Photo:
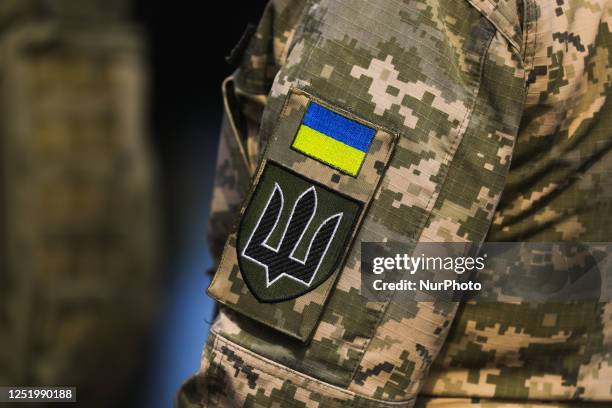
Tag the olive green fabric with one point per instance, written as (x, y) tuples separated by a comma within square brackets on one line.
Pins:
[(502, 115), (328, 204)]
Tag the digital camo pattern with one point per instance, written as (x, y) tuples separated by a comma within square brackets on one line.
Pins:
[(451, 82), (410, 339), (482, 403), (78, 233), (449, 78), (558, 189)]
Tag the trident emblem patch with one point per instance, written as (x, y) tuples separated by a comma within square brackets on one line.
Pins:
[(281, 261), (292, 234)]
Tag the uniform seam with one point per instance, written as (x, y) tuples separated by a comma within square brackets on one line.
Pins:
[(446, 162), (531, 39), (297, 373), (526, 29), (532, 7), (459, 138), (503, 32), (232, 122), (422, 225), (455, 146)]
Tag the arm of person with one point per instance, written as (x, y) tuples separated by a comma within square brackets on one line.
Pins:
[(382, 121)]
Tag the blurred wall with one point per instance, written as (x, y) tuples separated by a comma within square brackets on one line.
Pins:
[(78, 205), (108, 135)]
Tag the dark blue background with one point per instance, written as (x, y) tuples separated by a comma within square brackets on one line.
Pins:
[(187, 43)]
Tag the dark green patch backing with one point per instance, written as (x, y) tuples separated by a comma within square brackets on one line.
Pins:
[(329, 203)]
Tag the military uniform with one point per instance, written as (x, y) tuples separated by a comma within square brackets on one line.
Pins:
[(453, 92)]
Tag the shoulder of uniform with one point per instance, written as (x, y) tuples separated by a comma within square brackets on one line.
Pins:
[(505, 16)]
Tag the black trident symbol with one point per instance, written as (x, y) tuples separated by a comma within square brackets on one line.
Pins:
[(280, 261)]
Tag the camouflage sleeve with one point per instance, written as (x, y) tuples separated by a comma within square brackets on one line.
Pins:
[(431, 94), (558, 189)]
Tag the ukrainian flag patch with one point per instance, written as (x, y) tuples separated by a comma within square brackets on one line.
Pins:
[(333, 139)]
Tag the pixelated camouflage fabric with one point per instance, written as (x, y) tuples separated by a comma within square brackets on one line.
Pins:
[(558, 189), (449, 78)]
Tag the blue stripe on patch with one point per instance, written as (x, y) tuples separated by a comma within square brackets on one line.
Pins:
[(338, 127)]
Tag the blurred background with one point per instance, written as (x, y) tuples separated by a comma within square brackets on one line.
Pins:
[(110, 114)]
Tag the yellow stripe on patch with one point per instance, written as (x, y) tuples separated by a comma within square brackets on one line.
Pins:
[(328, 150)]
